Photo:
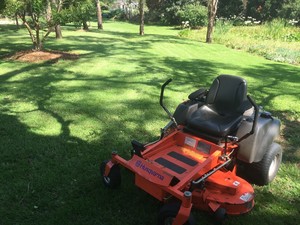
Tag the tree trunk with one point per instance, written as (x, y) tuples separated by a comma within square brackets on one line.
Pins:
[(58, 5), (210, 28), (99, 15), (58, 34), (48, 12), (38, 43), (212, 11), (17, 21), (33, 39), (85, 25), (36, 38), (142, 16), (245, 5)]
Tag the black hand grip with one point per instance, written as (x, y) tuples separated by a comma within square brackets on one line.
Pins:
[(256, 111), (162, 91), (161, 101), (167, 82)]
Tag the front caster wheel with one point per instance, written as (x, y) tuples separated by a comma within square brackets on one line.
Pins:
[(168, 213), (220, 216), (113, 179)]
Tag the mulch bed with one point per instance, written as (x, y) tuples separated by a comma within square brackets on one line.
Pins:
[(41, 56)]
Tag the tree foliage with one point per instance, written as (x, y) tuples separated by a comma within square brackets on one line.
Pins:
[(195, 14), (267, 10), (229, 8), (2, 6), (167, 11), (291, 10), (78, 12)]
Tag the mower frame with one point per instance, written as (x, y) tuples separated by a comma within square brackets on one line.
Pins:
[(192, 170)]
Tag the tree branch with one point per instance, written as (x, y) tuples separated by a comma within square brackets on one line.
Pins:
[(60, 5), (29, 30), (47, 34)]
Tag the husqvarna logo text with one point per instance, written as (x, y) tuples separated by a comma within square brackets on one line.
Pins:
[(139, 164)]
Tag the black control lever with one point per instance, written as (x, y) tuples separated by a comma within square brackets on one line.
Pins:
[(161, 101)]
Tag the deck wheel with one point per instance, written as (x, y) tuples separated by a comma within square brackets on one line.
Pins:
[(113, 180), (168, 213), (220, 215)]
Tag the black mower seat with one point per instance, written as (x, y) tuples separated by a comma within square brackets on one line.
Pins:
[(223, 110)]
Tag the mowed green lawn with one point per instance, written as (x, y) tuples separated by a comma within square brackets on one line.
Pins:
[(59, 120)]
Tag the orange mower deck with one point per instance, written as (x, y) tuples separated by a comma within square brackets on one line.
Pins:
[(168, 167)]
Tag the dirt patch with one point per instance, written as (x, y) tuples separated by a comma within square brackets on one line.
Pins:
[(42, 56)]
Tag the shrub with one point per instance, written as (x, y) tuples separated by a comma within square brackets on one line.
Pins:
[(118, 14), (125, 15), (284, 55), (275, 40), (291, 10), (184, 33), (275, 29), (222, 26), (170, 16), (226, 8), (194, 13)]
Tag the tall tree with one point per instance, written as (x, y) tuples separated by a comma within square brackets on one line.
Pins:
[(99, 15), (245, 3), (57, 4), (80, 12), (54, 7), (212, 11), (142, 16)]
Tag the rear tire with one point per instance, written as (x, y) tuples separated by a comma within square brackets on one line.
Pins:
[(168, 213), (263, 172), (113, 180)]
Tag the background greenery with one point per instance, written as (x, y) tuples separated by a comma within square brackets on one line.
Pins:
[(168, 11), (59, 120), (274, 40)]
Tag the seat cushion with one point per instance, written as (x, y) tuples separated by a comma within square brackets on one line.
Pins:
[(227, 94), (206, 120)]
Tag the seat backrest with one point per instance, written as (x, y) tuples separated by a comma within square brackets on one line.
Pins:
[(227, 94)]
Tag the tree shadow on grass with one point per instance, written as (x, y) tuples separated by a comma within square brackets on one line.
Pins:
[(38, 172), (58, 178), (8, 28), (55, 178), (290, 138), (7, 49), (10, 40)]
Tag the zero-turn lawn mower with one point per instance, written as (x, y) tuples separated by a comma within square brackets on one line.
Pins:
[(216, 145)]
